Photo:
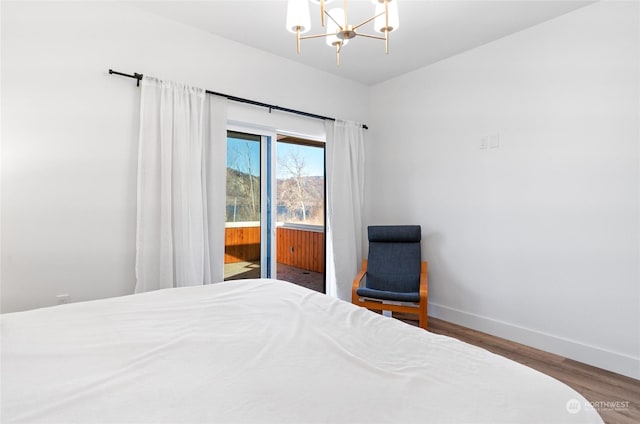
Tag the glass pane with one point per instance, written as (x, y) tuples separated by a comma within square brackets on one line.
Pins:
[(300, 214), (242, 229), (300, 176)]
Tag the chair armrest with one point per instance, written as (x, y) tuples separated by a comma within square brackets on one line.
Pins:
[(358, 280)]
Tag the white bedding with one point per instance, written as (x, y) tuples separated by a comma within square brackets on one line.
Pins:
[(260, 351)]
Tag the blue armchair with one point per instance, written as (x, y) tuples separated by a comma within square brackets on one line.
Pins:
[(396, 278)]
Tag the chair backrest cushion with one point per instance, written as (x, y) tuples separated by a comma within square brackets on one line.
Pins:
[(394, 258)]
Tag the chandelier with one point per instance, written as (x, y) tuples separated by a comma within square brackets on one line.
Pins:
[(339, 30)]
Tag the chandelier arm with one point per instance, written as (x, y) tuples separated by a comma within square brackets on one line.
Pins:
[(386, 41), (331, 17), (371, 36), (306, 37), (368, 20)]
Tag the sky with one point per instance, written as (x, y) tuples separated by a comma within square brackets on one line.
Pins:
[(242, 152), (313, 158)]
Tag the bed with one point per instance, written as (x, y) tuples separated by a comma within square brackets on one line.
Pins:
[(263, 351)]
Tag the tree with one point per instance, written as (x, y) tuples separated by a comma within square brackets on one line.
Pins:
[(302, 196), (243, 187), (294, 195)]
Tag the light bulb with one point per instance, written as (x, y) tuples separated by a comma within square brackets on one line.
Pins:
[(381, 21), (298, 16)]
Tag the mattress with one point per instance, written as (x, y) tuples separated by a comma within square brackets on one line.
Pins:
[(261, 351)]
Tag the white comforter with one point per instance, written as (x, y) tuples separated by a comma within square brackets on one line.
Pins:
[(260, 351)]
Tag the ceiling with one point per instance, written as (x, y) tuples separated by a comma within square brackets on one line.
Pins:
[(430, 30)]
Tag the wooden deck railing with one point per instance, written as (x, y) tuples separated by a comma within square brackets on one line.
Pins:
[(298, 247), (241, 244)]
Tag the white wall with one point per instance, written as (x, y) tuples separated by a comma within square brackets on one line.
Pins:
[(69, 134), (537, 240)]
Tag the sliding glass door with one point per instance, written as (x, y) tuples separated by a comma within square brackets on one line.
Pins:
[(242, 253), (300, 195), (275, 209)]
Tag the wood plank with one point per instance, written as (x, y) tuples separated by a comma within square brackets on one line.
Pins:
[(242, 244), (308, 248)]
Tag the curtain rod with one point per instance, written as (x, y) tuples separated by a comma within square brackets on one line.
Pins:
[(138, 77)]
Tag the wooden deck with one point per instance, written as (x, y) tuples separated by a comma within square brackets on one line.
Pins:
[(299, 254), (302, 277), (241, 270), (295, 247)]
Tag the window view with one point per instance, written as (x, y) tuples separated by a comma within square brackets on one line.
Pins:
[(300, 212), (242, 229), (300, 176)]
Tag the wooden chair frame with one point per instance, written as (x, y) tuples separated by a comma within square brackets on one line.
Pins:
[(419, 309)]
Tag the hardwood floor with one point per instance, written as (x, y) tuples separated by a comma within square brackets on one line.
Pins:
[(600, 387)]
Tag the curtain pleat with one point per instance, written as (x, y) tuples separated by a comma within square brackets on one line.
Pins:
[(180, 199), (345, 196)]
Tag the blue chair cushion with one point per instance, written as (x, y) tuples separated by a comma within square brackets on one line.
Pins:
[(394, 233), (387, 295), (394, 259)]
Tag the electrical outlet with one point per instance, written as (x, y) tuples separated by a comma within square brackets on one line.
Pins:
[(62, 298)]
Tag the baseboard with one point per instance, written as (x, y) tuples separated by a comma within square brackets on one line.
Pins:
[(592, 355)]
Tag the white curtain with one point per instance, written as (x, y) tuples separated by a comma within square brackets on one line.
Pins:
[(345, 191), (181, 186)]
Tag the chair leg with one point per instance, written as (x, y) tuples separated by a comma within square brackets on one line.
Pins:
[(422, 321)]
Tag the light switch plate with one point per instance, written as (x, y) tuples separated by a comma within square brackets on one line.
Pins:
[(494, 141)]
